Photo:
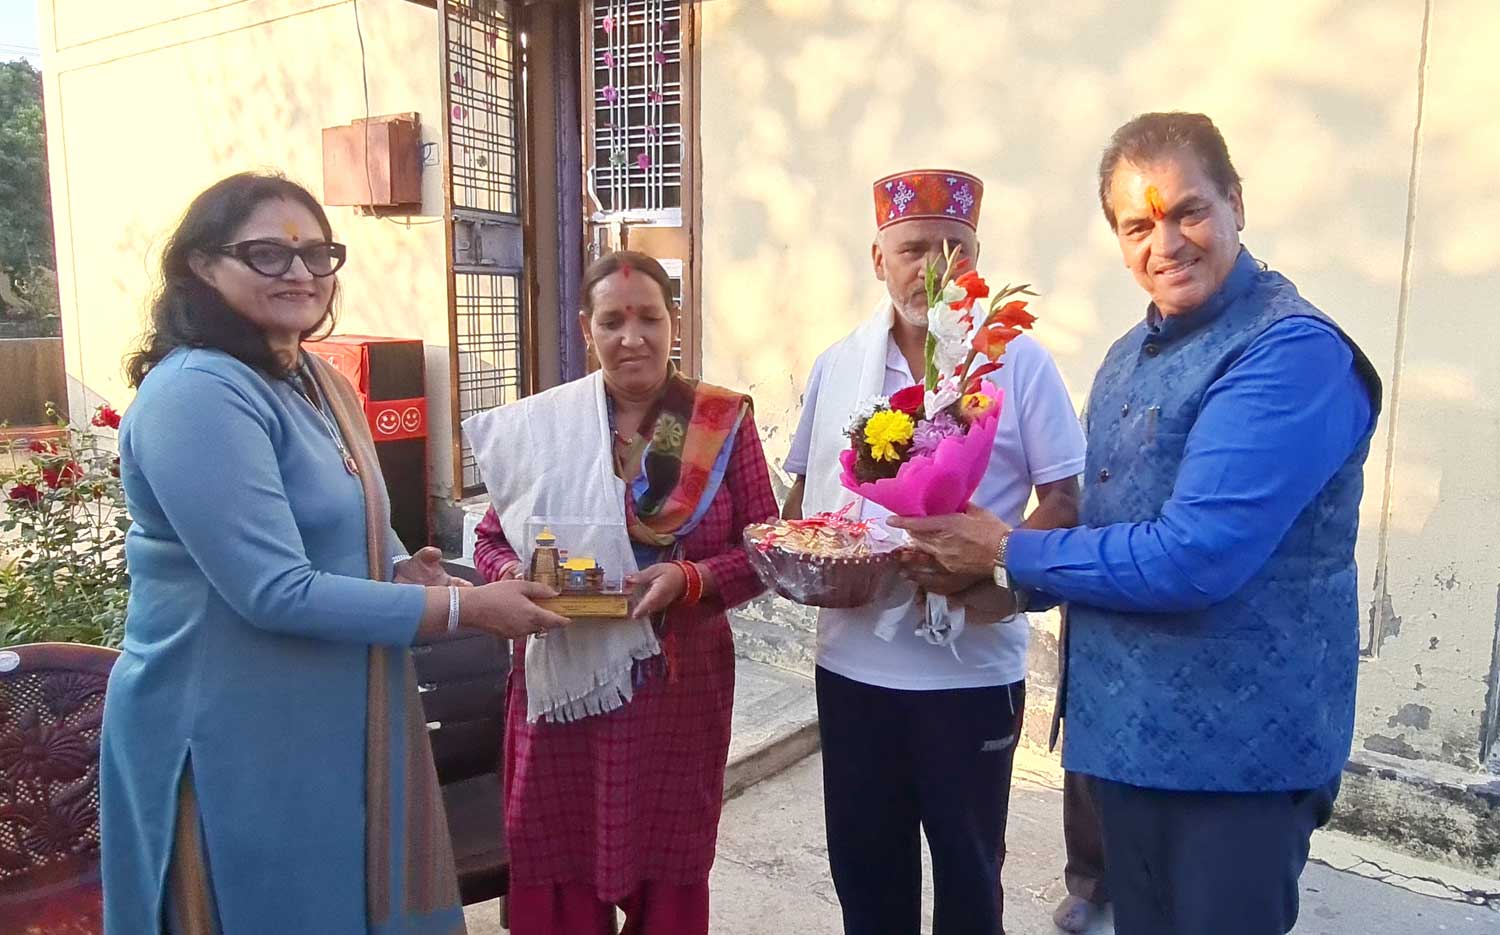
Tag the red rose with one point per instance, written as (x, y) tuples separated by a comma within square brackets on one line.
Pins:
[(40, 447), (909, 400), (105, 417), (25, 493), (62, 475)]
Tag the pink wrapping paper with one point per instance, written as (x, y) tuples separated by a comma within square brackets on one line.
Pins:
[(938, 483)]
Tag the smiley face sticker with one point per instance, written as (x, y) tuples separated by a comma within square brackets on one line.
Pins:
[(411, 419)]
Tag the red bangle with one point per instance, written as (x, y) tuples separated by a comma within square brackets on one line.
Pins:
[(693, 590)]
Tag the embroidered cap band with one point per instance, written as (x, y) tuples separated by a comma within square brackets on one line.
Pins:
[(928, 193)]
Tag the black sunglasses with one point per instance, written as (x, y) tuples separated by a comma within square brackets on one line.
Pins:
[(273, 258)]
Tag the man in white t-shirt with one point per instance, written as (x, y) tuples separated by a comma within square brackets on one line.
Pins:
[(917, 735)]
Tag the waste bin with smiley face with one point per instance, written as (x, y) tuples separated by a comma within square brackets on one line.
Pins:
[(388, 374)]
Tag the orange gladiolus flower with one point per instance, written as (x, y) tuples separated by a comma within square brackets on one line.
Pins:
[(974, 285), (992, 339), (1012, 315)]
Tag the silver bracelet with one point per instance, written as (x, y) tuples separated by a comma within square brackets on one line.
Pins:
[(452, 608)]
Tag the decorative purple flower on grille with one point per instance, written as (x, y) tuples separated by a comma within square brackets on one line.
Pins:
[(611, 93), (609, 22), (654, 97), (609, 59), (458, 79), (661, 57), (458, 112), (644, 161), (930, 433), (653, 133)]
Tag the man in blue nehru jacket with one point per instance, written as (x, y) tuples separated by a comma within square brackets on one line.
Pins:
[(1213, 638)]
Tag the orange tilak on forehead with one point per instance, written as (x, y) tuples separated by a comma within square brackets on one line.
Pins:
[(290, 230), (1155, 203)]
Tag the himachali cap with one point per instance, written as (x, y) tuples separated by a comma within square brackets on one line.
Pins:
[(928, 193)]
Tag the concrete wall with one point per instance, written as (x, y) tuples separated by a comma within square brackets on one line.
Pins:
[(808, 101), (149, 103)]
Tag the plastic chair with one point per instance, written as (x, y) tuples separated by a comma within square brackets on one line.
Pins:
[(51, 710)]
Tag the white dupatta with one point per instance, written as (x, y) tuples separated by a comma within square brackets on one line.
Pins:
[(549, 455)]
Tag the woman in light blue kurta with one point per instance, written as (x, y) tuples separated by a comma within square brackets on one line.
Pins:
[(264, 767)]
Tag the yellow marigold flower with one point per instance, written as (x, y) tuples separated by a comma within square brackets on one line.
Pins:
[(884, 431), (972, 406)]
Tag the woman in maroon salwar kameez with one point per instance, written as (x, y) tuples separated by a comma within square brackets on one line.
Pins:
[(621, 808)]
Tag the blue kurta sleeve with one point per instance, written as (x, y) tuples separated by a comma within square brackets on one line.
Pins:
[(1269, 434), (204, 447)]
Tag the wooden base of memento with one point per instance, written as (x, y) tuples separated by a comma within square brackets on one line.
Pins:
[(600, 606)]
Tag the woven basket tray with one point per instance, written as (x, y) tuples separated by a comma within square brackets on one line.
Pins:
[(820, 581)]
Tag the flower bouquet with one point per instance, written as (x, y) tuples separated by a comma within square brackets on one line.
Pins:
[(923, 450), (827, 560), (920, 452)]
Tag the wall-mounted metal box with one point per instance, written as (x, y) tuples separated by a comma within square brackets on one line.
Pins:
[(374, 163)]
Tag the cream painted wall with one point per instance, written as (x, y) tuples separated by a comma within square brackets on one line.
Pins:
[(148, 104), (1424, 695), (805, 102)]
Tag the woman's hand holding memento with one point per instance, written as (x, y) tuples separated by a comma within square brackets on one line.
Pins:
[(656, 588), (426, 568), (504, 608), (508, 609)]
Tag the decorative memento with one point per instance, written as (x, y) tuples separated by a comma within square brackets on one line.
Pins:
[(579, 581)]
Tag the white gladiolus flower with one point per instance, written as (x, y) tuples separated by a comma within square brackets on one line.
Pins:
[(951, 334), (946, 395), (953, 292), (947, 325)]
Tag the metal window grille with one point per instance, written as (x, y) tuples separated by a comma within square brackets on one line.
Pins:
[(490, 350), (484, 138), (637, 106), (482, 124)]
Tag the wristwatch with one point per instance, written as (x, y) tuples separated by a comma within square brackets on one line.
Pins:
[(1002, 577)]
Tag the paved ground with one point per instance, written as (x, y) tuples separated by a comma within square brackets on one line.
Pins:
[(772, 872), (771, 876)]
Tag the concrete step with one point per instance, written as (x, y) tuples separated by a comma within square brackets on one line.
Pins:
[(775, 724), (775, 631)]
